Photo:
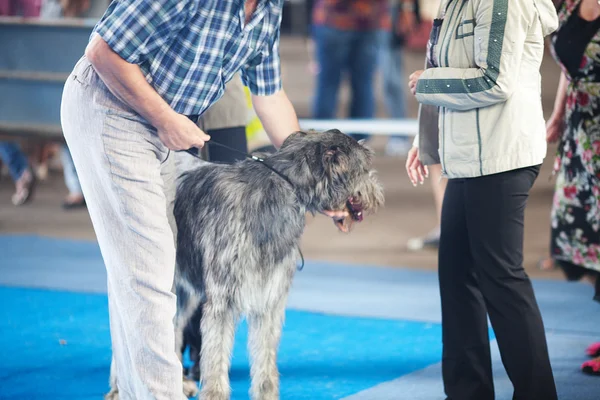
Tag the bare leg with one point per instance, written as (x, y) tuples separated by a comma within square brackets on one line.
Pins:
[(186, 306), (217, 329), (438, 187)]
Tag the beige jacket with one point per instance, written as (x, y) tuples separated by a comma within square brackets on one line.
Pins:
[(486, 81)]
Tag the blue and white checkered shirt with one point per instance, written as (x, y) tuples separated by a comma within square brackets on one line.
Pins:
[(189, 49)]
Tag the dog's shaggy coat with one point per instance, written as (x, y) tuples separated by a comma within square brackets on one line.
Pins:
[(239, 228)]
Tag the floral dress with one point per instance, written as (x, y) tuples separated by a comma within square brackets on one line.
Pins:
[(575, 239)]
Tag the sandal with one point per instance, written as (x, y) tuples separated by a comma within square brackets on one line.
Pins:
[(25, 187), (591, 367), (593, 350)]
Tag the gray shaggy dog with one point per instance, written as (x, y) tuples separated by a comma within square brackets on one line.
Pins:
[(239, 228)]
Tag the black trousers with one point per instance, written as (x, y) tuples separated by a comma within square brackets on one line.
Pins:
[(481, 273)]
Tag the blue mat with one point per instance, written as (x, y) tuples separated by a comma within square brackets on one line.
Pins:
[(348, 332), (57, 346)]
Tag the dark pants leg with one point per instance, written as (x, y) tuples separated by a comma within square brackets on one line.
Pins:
[(466, 360), (363, 64), (338, 52), (14, 158), (332, 48), (494, 209)]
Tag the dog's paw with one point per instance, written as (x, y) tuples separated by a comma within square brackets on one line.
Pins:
[(214, 395), (112, 395), (190, 389)]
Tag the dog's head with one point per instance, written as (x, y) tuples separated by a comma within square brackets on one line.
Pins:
[(333, 172)]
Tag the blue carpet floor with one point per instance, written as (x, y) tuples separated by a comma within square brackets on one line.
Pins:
[(353, 333), (60, 341)]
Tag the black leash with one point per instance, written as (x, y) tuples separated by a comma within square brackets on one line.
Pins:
[(195, 153)]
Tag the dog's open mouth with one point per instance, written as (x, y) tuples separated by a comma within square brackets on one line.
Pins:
[(354, 208)]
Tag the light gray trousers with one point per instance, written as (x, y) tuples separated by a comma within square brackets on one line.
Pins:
[(128, 180)]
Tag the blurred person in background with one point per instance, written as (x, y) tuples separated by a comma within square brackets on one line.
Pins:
[(575, 125), (428, 126), (23, 8), (347, 36), (429, 153), (404, 18), (19, 167), (20, 172)]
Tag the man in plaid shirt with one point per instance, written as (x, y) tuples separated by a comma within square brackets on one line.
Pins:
[(150, 68)]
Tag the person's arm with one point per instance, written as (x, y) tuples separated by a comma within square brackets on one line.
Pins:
[(560, 101), (270, 102), (115, 55), (555, 125), (499, 37), (277, 116)]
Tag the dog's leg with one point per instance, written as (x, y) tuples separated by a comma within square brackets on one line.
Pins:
[(186, 306), (187, 303), (264, 333), (217, 330)]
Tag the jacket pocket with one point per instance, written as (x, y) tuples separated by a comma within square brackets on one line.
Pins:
[(82, 72), (462, 134), (465, 29)]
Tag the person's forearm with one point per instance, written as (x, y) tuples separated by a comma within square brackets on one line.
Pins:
[(277, 115), (127, 82), (560, 101)]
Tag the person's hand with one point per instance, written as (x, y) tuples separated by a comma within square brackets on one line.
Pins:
[(417, 172), (336, 214), (412, 81), (178, 132), (554, 128)]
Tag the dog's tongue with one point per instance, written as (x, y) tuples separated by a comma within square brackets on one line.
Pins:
[(355, 209)]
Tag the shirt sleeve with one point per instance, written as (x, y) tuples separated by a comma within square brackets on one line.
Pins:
[(264, 77), (135, 28), (499, 34)]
